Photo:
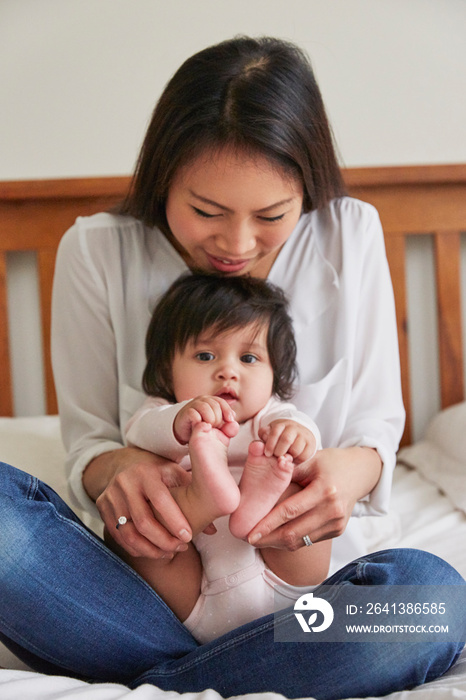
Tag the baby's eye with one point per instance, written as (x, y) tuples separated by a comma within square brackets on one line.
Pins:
[(205, 356), (248, 359)]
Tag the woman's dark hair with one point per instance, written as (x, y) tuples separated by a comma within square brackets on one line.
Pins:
[(198, 303), (253, 95)]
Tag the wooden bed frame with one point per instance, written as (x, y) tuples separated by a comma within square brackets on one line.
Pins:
[(418, 200)]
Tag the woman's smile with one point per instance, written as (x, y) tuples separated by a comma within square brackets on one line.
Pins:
[(228, 266)]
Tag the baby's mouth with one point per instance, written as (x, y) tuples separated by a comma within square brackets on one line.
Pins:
[(228, 395)]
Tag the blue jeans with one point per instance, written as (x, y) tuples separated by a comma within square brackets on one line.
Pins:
[(69, 606)]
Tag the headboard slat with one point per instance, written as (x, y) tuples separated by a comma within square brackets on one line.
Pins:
[(396, 254), (447, 256), (46, 267), (6, 393)]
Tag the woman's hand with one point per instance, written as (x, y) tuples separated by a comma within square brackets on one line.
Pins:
[(333, 480), (133, 483)]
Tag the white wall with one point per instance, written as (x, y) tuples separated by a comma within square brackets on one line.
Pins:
[(80, 78)]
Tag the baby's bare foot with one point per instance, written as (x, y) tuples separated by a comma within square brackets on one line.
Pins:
[(263, 481), (213, 490)]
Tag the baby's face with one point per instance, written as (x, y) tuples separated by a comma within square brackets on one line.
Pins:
[(234, 365)]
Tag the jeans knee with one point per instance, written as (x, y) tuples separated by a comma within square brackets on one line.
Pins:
[(14, 483), (409, 567), (431, 570), (16, 530)]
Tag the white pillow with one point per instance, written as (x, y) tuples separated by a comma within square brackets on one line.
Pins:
[(35, 446), (441, 456)]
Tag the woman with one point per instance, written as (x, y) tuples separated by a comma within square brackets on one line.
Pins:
[(237, 175)]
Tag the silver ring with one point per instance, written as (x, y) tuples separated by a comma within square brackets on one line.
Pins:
[(307, 540), (122, 520)]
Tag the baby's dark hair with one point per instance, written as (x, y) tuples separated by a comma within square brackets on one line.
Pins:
[(197, 303)]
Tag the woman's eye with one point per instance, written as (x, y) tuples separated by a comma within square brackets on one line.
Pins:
[(248, 359), (271, 219), (204, 214), (204, 356)]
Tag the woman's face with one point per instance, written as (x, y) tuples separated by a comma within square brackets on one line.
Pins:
[(231, 214)]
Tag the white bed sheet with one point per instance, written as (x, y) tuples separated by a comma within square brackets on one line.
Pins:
[(420, 516)]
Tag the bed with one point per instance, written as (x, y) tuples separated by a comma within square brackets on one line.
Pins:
[(423, 211)]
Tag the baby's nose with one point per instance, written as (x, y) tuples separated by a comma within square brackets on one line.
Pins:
[(227, 371)]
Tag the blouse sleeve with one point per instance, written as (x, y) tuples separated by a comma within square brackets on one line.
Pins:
[(84, 361), (375, 416)]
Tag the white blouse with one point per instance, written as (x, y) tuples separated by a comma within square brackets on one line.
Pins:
[(110, 272)]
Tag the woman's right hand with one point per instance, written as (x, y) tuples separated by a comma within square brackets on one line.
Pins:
[(133, 483)]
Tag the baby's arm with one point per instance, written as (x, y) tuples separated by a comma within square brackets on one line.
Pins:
[(165, 429), (151, 429)]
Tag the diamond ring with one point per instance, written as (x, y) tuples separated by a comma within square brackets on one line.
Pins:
[(122, 520)]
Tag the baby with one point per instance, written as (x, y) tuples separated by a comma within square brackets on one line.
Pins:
[(221, 360)]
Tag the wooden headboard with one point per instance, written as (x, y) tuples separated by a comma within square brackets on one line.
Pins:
[(412, 201)]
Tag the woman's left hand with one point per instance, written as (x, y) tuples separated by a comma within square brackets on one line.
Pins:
[(333, 480)]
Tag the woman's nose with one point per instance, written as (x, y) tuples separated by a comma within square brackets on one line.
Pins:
[(237, 240)]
